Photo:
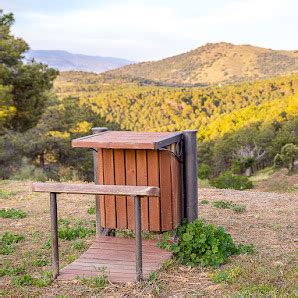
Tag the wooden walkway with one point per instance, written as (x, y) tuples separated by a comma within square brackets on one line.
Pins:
[(118, 256)]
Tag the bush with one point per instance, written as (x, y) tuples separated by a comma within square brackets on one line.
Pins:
[(204, 171), (203, 244), (228, 180)]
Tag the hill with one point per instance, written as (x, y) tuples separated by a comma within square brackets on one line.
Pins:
[(65, 61), (214, 63)]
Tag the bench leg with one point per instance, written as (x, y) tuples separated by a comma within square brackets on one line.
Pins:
[(138, 232), (54, 227)]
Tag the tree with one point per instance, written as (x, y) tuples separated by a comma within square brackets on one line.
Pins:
[(287, 156), (23, 87)]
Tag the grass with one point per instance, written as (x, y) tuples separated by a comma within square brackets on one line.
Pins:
[(9, 270), (262, 175), (222, 204), (8, 242), (12, 213), (99, 282), (203, 183), (5, 194), (91, 210), (204, 202), (68, 231), (271, 270), (27, 280)]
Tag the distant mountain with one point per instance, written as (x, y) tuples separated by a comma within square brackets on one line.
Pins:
[(213, 63), (65, 61)]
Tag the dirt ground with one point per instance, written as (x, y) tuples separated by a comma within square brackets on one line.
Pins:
[(269, 223)]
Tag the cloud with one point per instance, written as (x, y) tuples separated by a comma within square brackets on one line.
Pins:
[(141, 30)]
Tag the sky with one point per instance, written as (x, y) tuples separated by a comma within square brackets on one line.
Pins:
[(142, 30)]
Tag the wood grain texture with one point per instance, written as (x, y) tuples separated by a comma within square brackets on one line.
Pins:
[(121, 209), (141, 165), (110, 201), (119, 261), (153, 180), (128, 140), (92, 189), (165, 190), (131, 179), (100, 181)]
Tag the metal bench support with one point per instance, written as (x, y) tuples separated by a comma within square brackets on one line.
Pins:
[(54, 228)]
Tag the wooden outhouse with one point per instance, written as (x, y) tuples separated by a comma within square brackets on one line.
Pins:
[(139, 158)]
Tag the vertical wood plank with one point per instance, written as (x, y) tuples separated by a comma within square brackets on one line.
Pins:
[(101, 181), (110, 203), (141, 165), (153, 180), (131, 179), (176, 190), (165, 190), (121, 213)]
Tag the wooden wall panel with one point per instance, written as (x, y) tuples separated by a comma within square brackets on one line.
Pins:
[(141, 165), (131, 179), (153, 180), (121, 212), (176, 190), (110, 204), (165, 190), (101, 181)]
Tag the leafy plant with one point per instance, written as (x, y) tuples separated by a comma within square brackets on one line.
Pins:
[(228, 180), (204, 171), (12, 213), (91, 210), (204, 202), (8, 241), (202, 244), (41, 261), (238, 208), (28, 280)]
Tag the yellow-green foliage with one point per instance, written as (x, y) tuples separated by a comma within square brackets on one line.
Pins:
[(214, 111)]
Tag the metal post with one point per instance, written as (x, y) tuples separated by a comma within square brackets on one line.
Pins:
[(54, 227), (138, 232), (99, 228), (190, 174)]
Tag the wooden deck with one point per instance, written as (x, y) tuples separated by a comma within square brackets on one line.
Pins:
[(118, 256)]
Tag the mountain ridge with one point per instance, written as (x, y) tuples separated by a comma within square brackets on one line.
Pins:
[(213, 63), (66, 61)]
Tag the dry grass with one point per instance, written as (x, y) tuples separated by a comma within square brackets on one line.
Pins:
[(268, 223)]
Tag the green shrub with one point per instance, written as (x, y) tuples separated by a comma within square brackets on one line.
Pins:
[(228, 180), (8, 241), (12, 213), (202, 244), (228, 275), (204, 171)]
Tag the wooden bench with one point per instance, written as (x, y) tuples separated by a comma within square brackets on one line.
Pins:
[(137, 192)]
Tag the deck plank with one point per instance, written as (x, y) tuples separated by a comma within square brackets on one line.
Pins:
[(117, 255)]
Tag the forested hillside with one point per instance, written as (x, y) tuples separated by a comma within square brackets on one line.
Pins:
[(214, 63)]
